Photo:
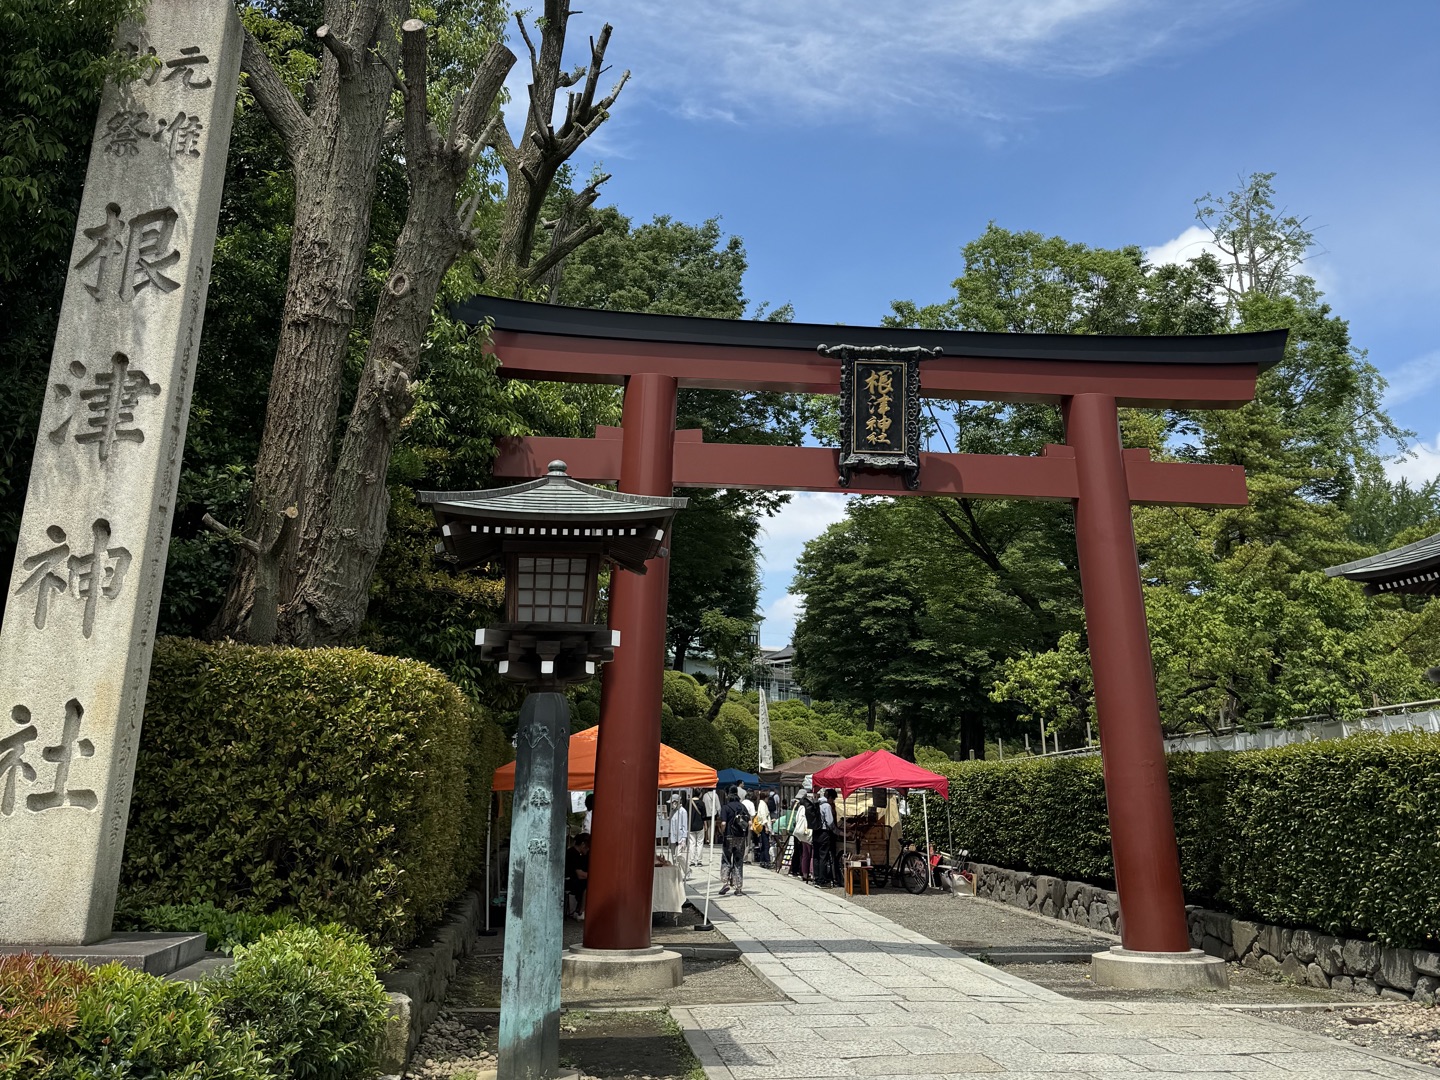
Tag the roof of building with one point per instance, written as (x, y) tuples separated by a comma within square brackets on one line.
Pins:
[(1264, 349), (553, 512), (1414, 568)]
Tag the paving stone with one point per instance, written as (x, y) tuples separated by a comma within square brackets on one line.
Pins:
[(910, 1065)]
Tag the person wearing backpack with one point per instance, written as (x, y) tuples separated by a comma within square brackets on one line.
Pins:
[(697, 830), (735, 828)]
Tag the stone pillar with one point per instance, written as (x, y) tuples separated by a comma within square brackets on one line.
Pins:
[(84, 593), (530, 972), (627, 760), (1137, 786)]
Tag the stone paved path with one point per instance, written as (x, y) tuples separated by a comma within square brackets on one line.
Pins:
[(869, 998)]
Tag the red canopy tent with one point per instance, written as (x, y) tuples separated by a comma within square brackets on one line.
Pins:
[(880, 769)]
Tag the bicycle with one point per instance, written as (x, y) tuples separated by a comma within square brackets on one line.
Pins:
[(909, 870)]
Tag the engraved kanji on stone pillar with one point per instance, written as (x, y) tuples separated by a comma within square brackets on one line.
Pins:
[(84, 592)]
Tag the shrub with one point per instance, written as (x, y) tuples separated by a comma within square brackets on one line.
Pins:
[(311, 998), (61, 1021), (223, 930), (1341, 835), (344, 785), (683, 694), (37, 1009)]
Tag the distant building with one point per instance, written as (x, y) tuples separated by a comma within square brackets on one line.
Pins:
[(775, 674)]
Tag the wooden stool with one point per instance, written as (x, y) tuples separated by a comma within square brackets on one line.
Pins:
[(857, 874)]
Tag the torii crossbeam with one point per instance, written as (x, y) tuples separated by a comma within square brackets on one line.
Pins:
[(1088, 377)]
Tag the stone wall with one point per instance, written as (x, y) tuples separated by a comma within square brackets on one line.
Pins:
[(420, 981), (1353, 965)]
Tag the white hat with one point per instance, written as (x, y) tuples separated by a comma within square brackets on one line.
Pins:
[(674, 798)]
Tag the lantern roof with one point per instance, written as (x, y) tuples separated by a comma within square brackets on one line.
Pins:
[(552, 514), (1413, 568)]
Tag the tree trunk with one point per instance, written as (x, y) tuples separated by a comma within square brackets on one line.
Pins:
[(682, 650), (870, 718), (336, 154), (333, 593), (904, 737), (322, 575)]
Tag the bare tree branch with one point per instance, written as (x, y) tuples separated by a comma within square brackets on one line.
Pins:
[(345, 55), (561, 247), (414, 55), (480, 98), (235, 536), (275, 98)]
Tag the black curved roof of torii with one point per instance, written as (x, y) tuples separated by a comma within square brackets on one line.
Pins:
[(1263, 349)]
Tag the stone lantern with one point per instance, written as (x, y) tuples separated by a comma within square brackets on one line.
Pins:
[(552, 536)]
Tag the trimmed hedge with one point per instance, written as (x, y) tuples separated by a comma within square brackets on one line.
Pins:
[(347, 786), (1341, 835)]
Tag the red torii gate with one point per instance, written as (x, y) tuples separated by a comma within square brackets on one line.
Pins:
[(1088, 377)]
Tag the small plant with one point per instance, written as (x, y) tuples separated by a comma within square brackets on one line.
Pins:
[(64, 1021), (310, 996), (37, 1008), (223, 930)]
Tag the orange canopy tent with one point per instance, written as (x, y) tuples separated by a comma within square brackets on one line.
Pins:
[(676, 770)]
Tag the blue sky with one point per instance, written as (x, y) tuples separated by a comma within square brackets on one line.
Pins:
[(855, 145)]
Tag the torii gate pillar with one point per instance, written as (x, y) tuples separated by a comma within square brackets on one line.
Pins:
[(1137, 786), (629, 747)]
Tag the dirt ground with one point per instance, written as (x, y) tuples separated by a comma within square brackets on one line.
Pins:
[(460, 1045)]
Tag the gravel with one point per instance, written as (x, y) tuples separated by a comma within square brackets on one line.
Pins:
[(1407, 1031), (604, 1046), (971, 923)]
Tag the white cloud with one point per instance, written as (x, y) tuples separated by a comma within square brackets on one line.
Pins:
[(1190, 244), (1422, 467), (1196, 240), (843, 58), (1412, 378), (780, 615), (804, 517)]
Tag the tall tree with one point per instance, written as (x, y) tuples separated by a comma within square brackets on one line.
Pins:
[(316, 522)]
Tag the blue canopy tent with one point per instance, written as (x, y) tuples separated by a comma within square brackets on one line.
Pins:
[(726, 777)]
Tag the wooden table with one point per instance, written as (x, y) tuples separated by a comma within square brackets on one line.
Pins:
[(857, 874)]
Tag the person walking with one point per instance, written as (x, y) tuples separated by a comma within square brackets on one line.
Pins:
[(825, 875), (735, 827), (761, 832), (697, 829), (711, 801), (749, 804), (679, 835)]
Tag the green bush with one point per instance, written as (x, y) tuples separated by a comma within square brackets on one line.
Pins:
[(61, 1021), (310, 996), (685, 696), (1341, 835), (223, 930), (348, 786)]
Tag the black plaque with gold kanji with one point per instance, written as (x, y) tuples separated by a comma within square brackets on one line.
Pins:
[(879, 408)]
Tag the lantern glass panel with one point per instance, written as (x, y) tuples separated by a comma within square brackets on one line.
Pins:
[(550, 589)]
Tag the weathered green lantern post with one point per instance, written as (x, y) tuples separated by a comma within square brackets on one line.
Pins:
[(552, 535)]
